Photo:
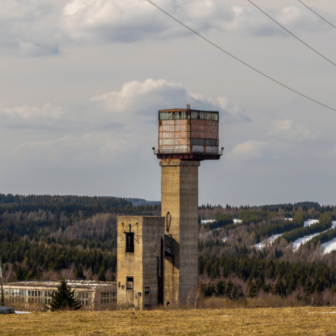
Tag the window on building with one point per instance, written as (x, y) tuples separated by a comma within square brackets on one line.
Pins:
[(129, 283), (105, 297), (180, 115), (197, 142), (166, 115), (194, 115), (147, 290), (15, 292), (211, 142), (204, 115), (129, 241)]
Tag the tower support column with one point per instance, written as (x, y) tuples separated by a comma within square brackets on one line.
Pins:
[(179, 205)]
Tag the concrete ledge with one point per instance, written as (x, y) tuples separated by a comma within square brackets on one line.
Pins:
[(177, 162), (6, 310)]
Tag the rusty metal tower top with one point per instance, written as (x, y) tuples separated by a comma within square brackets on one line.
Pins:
[(188, 134)]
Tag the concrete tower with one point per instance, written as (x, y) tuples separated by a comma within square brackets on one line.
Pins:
[(186, 137)]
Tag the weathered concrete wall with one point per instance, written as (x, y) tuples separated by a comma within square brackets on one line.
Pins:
[(153, 242), (179, 197), (140, 264)]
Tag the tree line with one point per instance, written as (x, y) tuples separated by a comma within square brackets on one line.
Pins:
[(30, 259), (278, 228), (275, 276), (323, 225)]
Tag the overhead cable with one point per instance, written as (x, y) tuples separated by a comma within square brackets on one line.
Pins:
[(239, 60), (327, 59), (317, 14)]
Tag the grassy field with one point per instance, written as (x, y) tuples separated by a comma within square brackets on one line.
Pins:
[(260, 321)]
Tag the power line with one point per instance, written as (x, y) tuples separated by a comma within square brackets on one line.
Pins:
[(317, 14), (239, 60), (327, 59)]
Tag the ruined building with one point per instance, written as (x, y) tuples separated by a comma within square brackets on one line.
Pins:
[(157, 256)]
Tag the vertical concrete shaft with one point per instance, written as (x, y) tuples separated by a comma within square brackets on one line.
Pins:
[(179, 204)]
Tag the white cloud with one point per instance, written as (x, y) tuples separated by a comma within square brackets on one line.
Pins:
[(283, 139), (136, 102), (29, 28), (90, 148), (249, 150), (131, 20), (290, 130), (26, 116), (143, 98), (38, 28), (33, 111)]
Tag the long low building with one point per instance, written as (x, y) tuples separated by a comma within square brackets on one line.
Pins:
[(96, 295)]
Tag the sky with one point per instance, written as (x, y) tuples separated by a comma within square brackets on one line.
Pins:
[(81, 82)]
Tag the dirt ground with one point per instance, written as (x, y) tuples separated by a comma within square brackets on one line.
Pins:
[(265, 321)]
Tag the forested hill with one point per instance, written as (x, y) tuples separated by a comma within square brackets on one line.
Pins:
[(69, 204), (46, 237), (41, 236)]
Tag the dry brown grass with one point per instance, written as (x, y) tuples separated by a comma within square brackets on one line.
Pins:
[(270, 321)]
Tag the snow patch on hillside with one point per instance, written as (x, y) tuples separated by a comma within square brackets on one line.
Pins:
[(303, 240), (329, 246), (310, 222), (297, 243), (268, 241)]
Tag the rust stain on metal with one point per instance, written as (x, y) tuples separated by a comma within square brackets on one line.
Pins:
[(211, 129), (168, 142), (168, 122), (197, 122), (168, 135), (197, 135), (211, 123), (181, 142), (181, 135), (182, 122), (197, 128), (184, 128), (175, 110), (168, 128), (211, 136)]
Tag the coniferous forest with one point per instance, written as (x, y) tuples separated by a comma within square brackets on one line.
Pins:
[(49, 237)]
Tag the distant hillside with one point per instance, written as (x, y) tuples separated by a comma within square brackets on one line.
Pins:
[(141, 201)]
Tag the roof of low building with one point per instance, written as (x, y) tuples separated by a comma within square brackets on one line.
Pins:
[(72, 283)]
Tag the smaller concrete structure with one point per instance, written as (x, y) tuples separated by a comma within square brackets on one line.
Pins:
[(140, 268), (97, 295)]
